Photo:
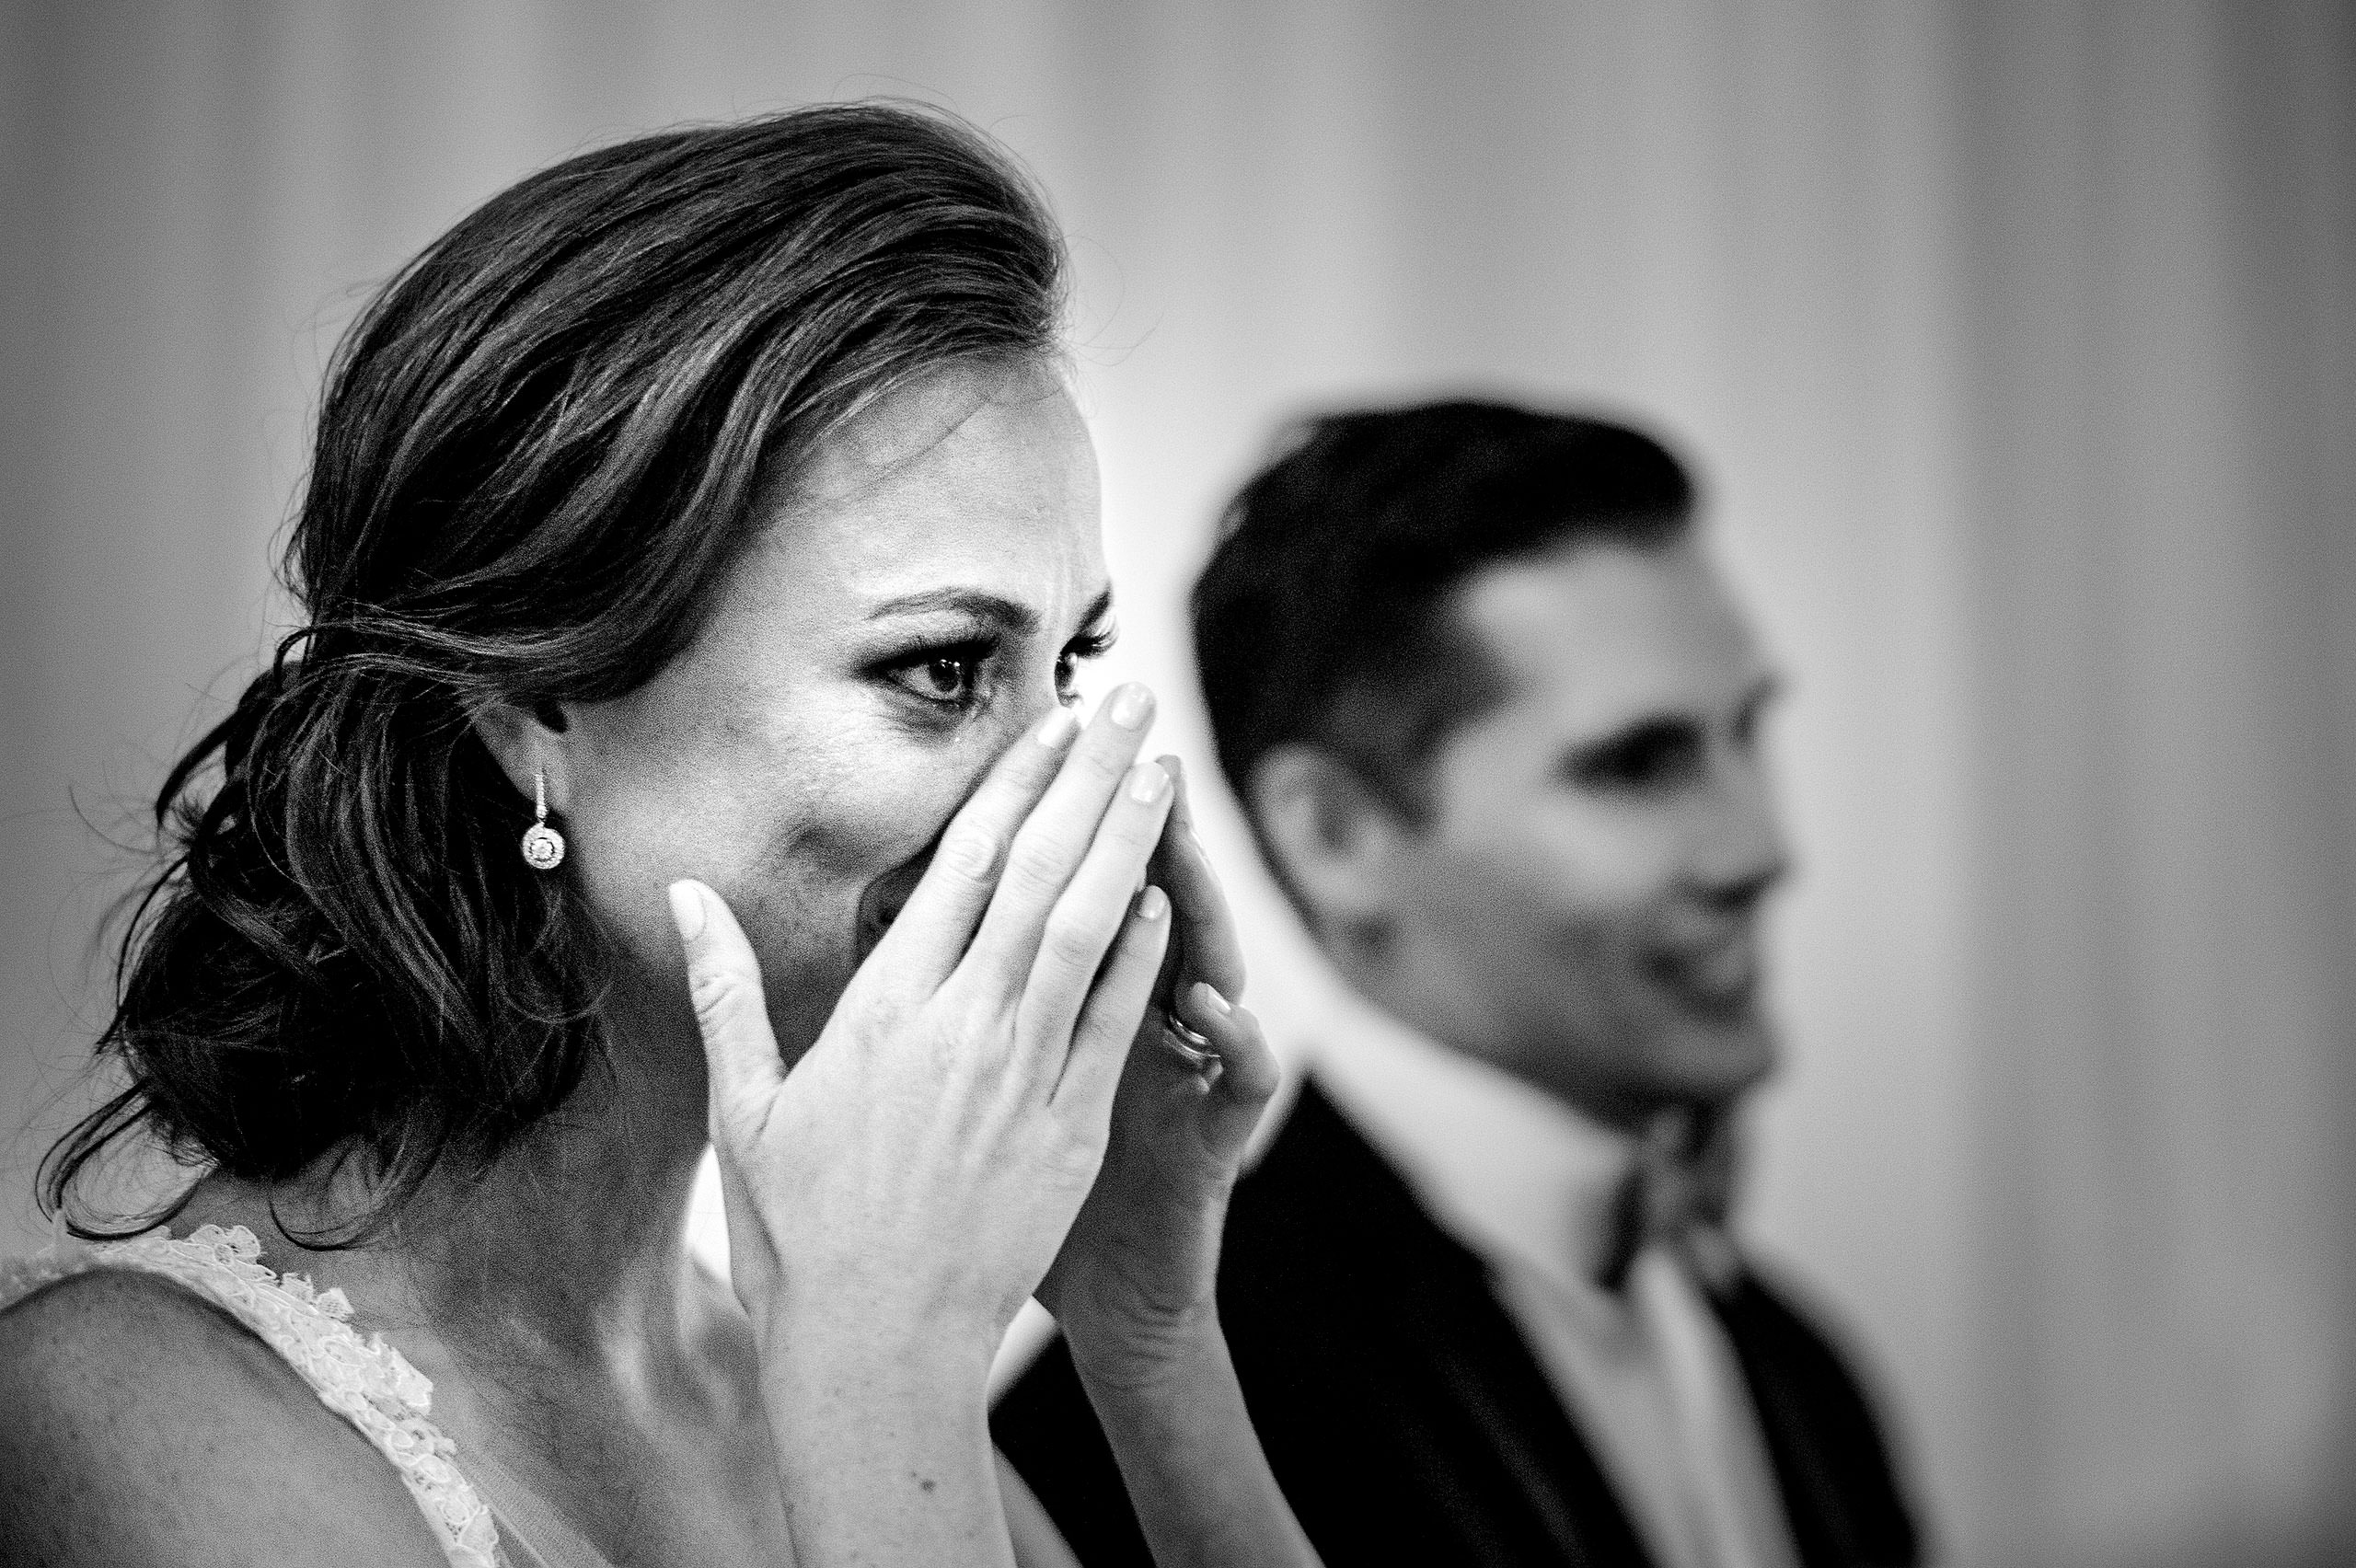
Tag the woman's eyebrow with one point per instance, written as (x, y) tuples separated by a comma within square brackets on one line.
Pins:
[(1008, 615), (1099, 610), (996, 608)]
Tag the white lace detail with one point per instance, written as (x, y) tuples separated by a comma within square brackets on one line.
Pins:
[(367, 1382)]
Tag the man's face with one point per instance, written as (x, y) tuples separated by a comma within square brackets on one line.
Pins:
[(1581, 906)]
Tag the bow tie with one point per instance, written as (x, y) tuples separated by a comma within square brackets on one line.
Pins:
[(1678, 1191)]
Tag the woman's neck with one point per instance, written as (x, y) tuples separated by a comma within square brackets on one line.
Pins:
[(566, 1249)]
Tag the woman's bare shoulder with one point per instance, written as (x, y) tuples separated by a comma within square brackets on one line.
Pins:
[(147, 1426)]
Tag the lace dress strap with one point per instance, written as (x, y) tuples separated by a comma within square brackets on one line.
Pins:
[(367, 1382)]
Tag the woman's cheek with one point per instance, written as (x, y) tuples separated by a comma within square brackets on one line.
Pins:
[(829, 892)]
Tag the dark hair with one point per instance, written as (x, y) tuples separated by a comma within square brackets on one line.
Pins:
[(1323, 615), (539, 452)]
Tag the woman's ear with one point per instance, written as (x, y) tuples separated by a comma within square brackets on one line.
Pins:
[(1334, 839), (529, 740)]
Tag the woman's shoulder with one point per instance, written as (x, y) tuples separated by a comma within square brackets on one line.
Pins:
[(147, 1424)]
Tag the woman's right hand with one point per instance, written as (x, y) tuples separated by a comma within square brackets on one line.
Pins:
[(894, 1197)]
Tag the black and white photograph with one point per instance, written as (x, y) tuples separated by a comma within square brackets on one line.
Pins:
[(1178, 784)]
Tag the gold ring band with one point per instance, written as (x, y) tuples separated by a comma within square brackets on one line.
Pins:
[(1189, 1047)]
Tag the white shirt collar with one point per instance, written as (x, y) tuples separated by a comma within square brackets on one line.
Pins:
[(1504, 1166)]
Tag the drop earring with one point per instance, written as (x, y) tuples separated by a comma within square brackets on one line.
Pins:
[(543, 846)]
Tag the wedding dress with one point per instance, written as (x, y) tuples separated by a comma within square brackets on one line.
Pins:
[(372, 1385), (367, 1382)]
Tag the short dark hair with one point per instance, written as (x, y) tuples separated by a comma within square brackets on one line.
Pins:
[(1323, 616), (539, 452)]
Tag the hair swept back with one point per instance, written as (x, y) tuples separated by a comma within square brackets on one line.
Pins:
[(537, 454), (1323, 617)]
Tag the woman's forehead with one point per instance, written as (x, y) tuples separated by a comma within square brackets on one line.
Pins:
[(903, 427), (970, 478)]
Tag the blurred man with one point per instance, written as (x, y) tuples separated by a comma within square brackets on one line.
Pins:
[(1495, 722)]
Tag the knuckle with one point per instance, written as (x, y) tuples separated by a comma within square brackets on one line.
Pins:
[(1105, 764), (1072, 941), (968, 851), (720, 997), (1037, 865)]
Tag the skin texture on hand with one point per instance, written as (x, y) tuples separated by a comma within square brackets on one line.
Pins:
[(1133, 1286), (897, 1195)]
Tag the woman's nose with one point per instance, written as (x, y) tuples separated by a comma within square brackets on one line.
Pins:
[(1019, 715)]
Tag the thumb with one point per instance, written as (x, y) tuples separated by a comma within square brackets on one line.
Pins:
[(724, 983)]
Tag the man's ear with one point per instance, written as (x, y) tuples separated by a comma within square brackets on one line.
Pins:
[(1335, 840), (530, 740)]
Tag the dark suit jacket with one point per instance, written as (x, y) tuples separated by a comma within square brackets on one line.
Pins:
[(1405, 1418)]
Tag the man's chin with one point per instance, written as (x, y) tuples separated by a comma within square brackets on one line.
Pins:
[(1717, 1059)]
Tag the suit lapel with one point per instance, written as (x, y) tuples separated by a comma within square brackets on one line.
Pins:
[(1504, 1431), (1831, 1459)]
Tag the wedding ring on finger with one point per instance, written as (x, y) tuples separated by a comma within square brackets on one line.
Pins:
[(1189, 1047)]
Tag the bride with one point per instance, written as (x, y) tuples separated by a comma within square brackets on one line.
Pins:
[(681, 748)]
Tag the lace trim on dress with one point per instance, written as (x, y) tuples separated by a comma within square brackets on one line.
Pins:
[(367, 1382)]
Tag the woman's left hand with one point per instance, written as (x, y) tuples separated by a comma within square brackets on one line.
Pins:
[(1133, 1287)]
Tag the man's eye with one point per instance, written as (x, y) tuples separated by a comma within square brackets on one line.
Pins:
[(1654, 758)]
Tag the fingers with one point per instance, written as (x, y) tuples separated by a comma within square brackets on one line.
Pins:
[(1203, 925), (724, 983), (1108, 1022), (1053, 842), (930, 935), (1252, 1072), (1081, 928)]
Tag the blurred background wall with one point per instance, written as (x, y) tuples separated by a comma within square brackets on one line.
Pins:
[(2017, 343)]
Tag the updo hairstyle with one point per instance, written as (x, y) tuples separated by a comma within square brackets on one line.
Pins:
[(539, 452)]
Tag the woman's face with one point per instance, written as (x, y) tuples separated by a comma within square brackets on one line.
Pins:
[(917, 600)]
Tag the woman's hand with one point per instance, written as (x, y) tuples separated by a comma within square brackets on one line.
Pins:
[(1133, 1288), (894, 1198)]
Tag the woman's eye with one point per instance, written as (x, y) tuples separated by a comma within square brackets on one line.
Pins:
[(1088, 645), (948, 676)]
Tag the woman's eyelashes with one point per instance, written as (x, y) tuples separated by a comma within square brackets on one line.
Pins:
[(963, 675), (1093, 644), (951, 676)]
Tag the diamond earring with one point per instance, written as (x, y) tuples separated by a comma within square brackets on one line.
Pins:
[(543, 846)]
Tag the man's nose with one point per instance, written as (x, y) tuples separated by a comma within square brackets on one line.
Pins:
[(1744, 852)]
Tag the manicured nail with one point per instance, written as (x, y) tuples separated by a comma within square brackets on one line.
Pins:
[(1211, 999), (687, 910), (1152, 904), (1056, 728), (1147, 782), (1130, 705)]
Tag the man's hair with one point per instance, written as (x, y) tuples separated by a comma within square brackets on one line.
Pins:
[(1325, 616)]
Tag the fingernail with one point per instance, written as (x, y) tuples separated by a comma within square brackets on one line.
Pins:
[(1131, 704), (1211, 999), (1056, 728), (687, 910), (1152, 904), (1147, 782)]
